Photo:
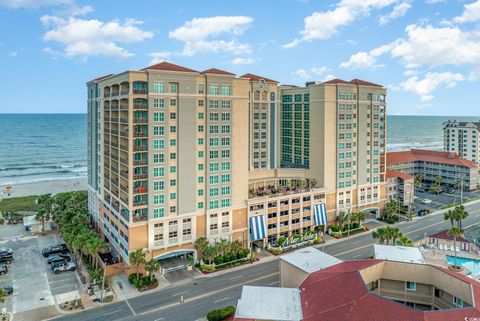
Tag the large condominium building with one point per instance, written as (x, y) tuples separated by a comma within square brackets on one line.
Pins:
[(462, 138), (176, 154)]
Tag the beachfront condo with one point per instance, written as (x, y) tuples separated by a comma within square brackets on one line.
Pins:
[(177, 154), (462, 138)]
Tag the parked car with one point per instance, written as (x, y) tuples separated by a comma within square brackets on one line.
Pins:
[(59, 258), (6, 259), (5, 250), (426, 201), (54, 249), (8, 289), (3, 269), (423, 212), (62, 267)]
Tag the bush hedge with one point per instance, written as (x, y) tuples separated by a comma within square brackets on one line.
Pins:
[(220, 314)]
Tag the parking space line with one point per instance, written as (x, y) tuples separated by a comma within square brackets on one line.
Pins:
[(130, 307), (221, 300), (177, 294), (113, 312), (236, 277)]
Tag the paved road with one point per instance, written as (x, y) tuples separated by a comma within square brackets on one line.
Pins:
[(205, 294)]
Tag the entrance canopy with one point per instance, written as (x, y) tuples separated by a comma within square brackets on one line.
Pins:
[(173, 254), (257, 227), (320, 212)]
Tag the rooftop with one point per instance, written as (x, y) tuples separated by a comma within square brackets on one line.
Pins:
[(438, 157), (403, 176), (357, 82), (310, 259), (443, 235), (398, 253), (268, 303), (257, 78), (167, 66), (217, 71)]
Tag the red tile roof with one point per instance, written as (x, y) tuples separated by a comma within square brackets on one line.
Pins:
[(339, 293), (357, 82), (428, 156), (257, 78), (217, 71), (100, 78), (167, 66), (403, 176), (443, 235)]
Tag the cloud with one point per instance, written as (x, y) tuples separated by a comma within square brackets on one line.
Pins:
[(323, 25), (305, 75), (243, 61), (205, 35), (431, 81), (435, 1), (366, 60), (13, 54), (471, 13), (398, 11), (84, 38), (29, 4), (425, 45), (158, 57)]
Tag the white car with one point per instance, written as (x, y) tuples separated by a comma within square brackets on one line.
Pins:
[(426, 201)]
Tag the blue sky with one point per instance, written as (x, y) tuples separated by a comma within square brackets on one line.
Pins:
[(426, 52)]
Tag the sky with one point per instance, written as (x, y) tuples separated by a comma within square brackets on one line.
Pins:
[(426, 52)]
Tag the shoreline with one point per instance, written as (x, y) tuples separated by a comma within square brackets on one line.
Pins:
[(45, 187)]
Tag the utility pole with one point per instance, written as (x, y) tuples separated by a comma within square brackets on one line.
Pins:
[(461, 191)]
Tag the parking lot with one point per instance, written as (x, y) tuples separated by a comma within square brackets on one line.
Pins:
[(35, 285), (439, 201)]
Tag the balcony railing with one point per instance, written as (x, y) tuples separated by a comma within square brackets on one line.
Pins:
[(140, 218), (140, 120), (140, 148), (124, 133), (139, 176), (140, 134), (140, 91), (124, 120), (140, 203), (140, 190), (142, 162), (140, 106), (124, 174)]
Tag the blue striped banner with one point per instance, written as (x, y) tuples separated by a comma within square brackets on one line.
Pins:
[(320, 212), (257, 227)]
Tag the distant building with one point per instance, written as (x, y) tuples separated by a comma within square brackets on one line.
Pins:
[(443, 241), (377, 290), (462, 138), (408, 254), (400, 187), (448, 165)]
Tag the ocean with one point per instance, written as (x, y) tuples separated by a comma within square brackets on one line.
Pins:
[(44, 147)]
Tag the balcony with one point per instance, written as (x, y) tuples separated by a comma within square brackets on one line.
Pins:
[(140, 203), (115, 90), (140, 148), (140, 104), (140, 87), (140, 134), (140, 120), (124, 120), (139, 218), (140, 190), (138, 177), (124, 174), (124, 88), (140, 162)]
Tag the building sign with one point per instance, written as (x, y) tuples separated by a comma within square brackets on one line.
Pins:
[(291, 241)]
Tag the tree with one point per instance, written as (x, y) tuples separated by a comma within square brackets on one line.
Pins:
[(201, 244), (137, 258), (391, 208), (419, 180), (42, 216), (460, 214), (455, 232), (450, 215), (222, 247), (381, 235), (152, 266), (404, 241), (210, 253), (394, 234), (3, 294), (435, 188), (235, 247)]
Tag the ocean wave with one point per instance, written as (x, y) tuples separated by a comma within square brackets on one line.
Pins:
[(37, 180), (64, 171), (34, 166), (434, 145)]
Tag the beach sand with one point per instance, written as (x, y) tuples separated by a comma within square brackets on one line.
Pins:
[(39, 188)]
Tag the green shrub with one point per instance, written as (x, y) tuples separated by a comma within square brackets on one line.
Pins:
[(281, 240), (335, 228), (220, 314), (133, 278), (296, 236), (227, 258), (207, 268), (218, 260), (275, 250)]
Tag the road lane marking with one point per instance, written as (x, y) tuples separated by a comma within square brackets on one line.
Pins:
[(209, 294), (357, 242), (356, 256), (162, 318), (273, 283), (130, 307), (221, 300), (180, 293), (113, 312), (236, 277)]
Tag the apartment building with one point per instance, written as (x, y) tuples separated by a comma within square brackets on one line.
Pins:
[(176, 154), (400, 187), (462, 138), (452, 168)]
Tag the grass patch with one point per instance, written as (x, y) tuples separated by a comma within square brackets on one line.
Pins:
[(15, 204)]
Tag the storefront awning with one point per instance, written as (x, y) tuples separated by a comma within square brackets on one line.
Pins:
[(320, 212), (257, 227)]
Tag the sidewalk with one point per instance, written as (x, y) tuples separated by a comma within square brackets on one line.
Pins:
[(124, 290)]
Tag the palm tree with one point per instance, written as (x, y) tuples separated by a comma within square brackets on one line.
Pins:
[(42, 216), (455, 232), (450, 215), (236, 247), (97, 245), (419, 180), (361, 216), (222, 247), (137, 258), (312, 182), (96, 274), (460, 214), (394, 234), (380, 234), (201, 244), (210, 253), (404, 241), (151, 266), (391, 208)]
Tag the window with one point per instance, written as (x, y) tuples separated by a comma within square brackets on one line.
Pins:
[(173, 234), (157, 158), (158, 103), (173, 102), (213, 226), (226, 90), (200, 192), (225, 166), (158, 172), (214, 179), (200, 141), (200, 167), (213, 192), (410, 286), (173, 196), (158, 186), (158, 199), (173, 142), (457, 302), (158, 87), (213, 104), (158, 144), (226, 190), (213, 89), (225, 178), (225, 202), (158, 116), (200, 103), (173, 169), (173, 115), (173, 87), (158, 212), (158, 130), (225, 117), (200, 115), (225, 104), (173, 129), (225, 129), (201, 88), (213, 167), (187, 231)]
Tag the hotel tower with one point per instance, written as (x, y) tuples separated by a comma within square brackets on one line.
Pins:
[(176, 154)]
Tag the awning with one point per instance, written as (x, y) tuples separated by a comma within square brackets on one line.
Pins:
[(257, 227), (320, 212)]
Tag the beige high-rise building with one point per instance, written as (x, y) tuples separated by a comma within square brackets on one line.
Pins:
[(176, 154), (462, 138)]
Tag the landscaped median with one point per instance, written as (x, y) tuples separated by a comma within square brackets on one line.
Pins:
[(341, 231), (221, 255), (221, 314), (295, 241)]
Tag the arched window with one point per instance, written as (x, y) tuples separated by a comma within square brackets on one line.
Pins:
[(256, 95), (272, 96), (264, 95)]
